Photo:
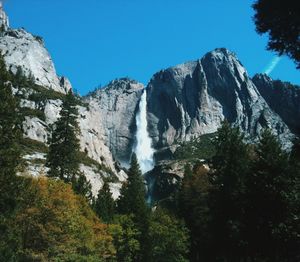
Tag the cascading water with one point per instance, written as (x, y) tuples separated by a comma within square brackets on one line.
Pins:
[(143, 148)]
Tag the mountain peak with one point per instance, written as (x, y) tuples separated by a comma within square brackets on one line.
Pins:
[(118, 85), (124, 83), (224, 51), (222, 55), (263, 77), (222, 59)]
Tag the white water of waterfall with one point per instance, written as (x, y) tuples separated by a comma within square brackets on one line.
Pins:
[(143, 148)]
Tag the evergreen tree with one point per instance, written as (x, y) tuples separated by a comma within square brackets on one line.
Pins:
[(63, 157), (126, 239), (104, 205), (10, 158), (272, 207), (132, 201), (194, 208), (295, 195), (10, 137), (230, 169), (132, 198), (295, 153)]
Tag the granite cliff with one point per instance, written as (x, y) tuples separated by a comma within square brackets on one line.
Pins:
[(283, 98), (192, 99), (115, 107), (183, 102), (27, 53)]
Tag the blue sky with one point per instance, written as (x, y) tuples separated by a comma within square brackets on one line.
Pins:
[(95, 41)]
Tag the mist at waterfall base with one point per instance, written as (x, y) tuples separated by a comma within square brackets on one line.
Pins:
[(143, 148)]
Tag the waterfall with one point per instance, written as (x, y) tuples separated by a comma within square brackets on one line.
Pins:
[(143, 148)]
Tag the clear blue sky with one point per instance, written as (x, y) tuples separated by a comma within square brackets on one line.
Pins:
[(95, 41)]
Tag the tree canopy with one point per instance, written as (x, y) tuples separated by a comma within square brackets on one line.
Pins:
[(280, 19)]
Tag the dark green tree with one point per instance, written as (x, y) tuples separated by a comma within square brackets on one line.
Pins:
[(272, 207), (63, 158), (132, 198), (132, 201), (281, 20), (126, 238), (193, 201), (104, 205), (295, 153), (10, 159), (10, 137), (230, 167), (169, 238), (295, 195)]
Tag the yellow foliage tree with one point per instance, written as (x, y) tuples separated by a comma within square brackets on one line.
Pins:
[(58, 225)]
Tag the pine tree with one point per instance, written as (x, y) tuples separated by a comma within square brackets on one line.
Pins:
[(63, 157), (295, 153), (126, 239), (231, 167), (10, 136), (10, 158), (270, 207), (132, 198), (294, 196), (132, 201), (105, 205)]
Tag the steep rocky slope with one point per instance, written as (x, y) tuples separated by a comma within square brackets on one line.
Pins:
[(26, 52), (192, 99), (283, 98), (41, 92), (41, 108), (115, 107)]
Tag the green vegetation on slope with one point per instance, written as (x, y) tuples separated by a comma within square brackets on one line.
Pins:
[(198, 148)]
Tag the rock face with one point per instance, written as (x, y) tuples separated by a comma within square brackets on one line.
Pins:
[(192, 99), (283, 98), (27, 52), (115, 107)]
